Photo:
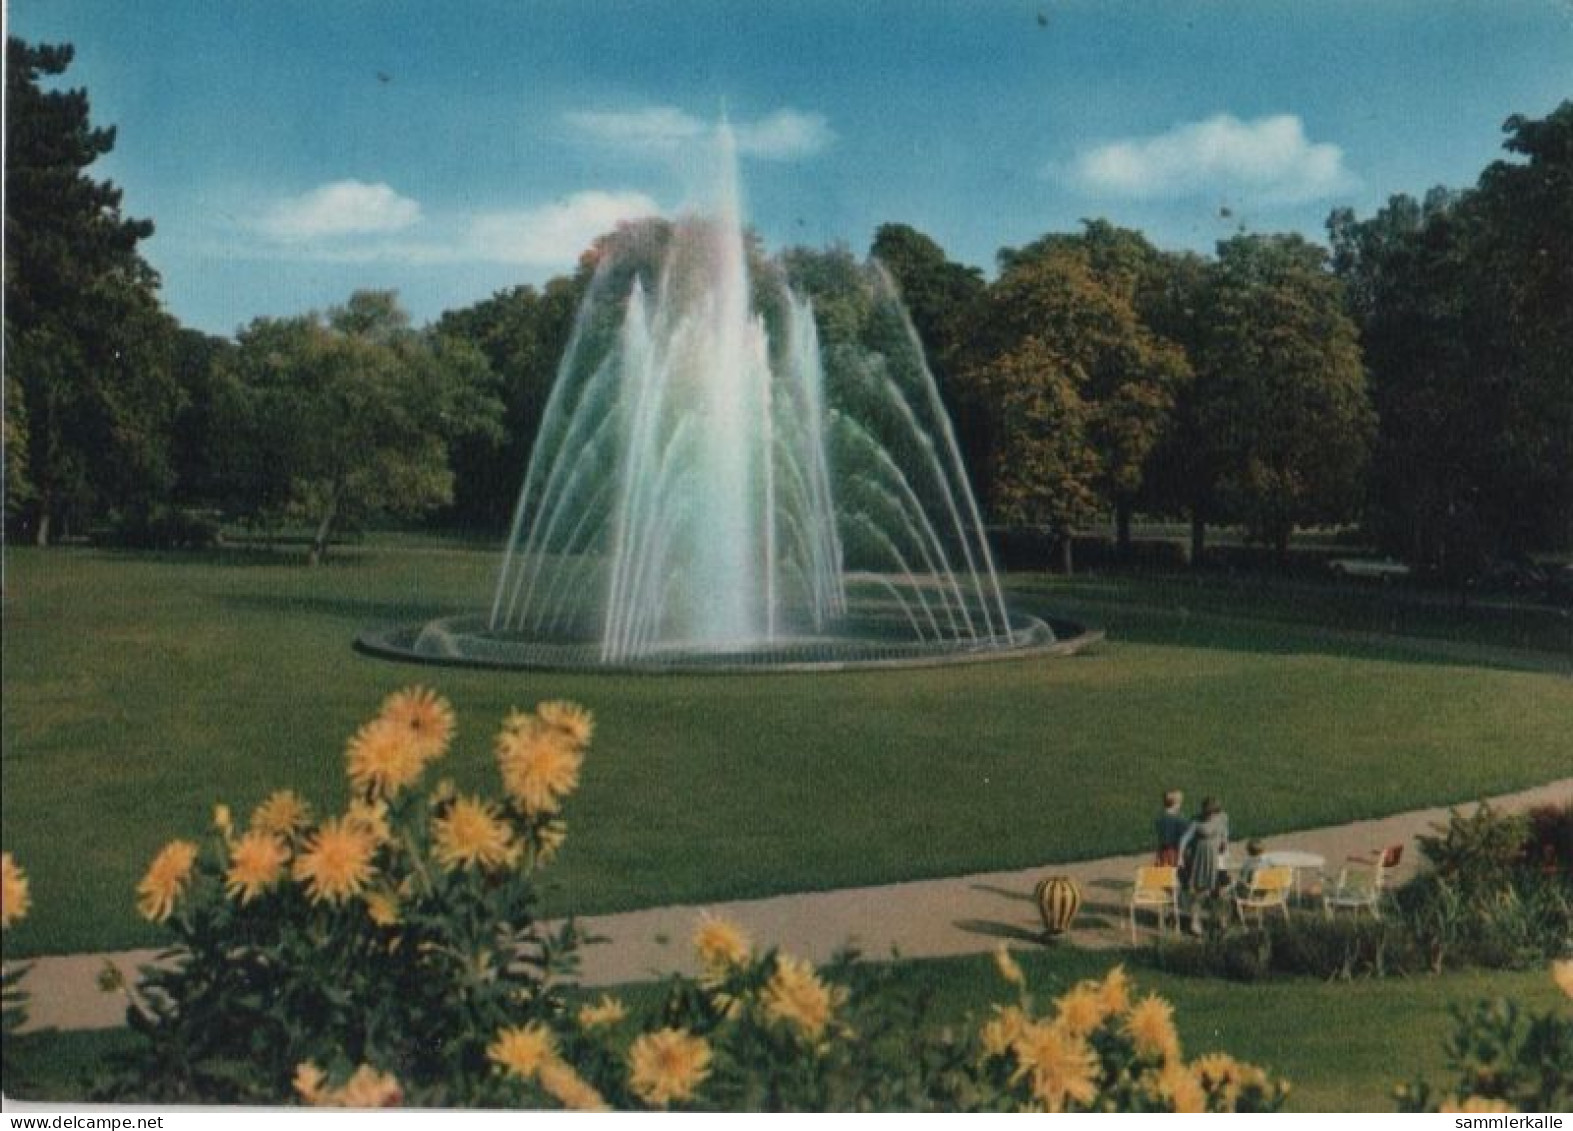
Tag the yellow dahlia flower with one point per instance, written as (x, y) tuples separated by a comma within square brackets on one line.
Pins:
[(668, 1066), (469, 835), (721, 944), (1001, 1032), (382, 907), (256, 863), (1116, 991), (336, 861), (604, 1013), (366, 1087), (1150, 1026), (522, 1049), (1178, 1086), (371, 817), (539, 764), (383, 758), (569, 718), (568, 1088), (1081, 1009), (796, 995), (1062, 1068), (14, 897), (166, 878), (426, 716), (283, 814)]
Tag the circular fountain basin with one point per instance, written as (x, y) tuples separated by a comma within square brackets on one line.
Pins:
[(861, 642)]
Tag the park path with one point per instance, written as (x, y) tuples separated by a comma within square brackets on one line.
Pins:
[(917, 919)]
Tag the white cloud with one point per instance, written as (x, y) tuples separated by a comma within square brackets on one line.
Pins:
[(555, 234), (342, 208), (1270, 159), (784, 135)]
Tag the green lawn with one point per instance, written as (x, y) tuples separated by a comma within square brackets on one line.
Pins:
[(1343, 1047), (139, 690)]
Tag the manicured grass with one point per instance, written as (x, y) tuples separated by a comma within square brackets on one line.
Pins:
[(139, 690), (1343, 1047)]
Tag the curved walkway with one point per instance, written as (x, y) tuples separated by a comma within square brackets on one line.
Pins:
[(917, 919)]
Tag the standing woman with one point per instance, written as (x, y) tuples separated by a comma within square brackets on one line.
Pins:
[(1201, 853)]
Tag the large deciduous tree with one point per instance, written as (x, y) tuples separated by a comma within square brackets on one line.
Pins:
[(85, 339), (348, 416), (1070, 304), (1465, 304), (1275, 431)]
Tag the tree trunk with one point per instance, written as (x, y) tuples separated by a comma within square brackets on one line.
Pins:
[(1067, 565), (41, 535), (319, 544), (1122, 528), (1198, 539)]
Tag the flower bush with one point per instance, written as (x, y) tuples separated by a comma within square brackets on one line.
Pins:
[(391, 954), (1505, 1061), (15, 900), (365, 954)]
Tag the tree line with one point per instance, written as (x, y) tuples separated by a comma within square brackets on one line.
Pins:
[(1415, 376)]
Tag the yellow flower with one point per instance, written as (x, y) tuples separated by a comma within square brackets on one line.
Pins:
[(668, 1065), (1220, 1074), (565, 1086), (370, 1088), (14, 897), (721, 945), (426, 716), (382, 908), (1006, 965), (383, 758), (1180, 1089), (795, 994), (1116, 991), (371, 817), (1562, 974), (1151, 1028), (522, 1049), (335, 862), (539, 763), (223, 821), (1001, 1032), (309, 1081), (606, 1012), (1062, 1067), (1081, 1010), (256, 862), (549, 840), (166, 878), (283, 813), (569, 718), (365, 1088), (470, 835), (1481, 1105)]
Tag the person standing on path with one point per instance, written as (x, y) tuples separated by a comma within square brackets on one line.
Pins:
[(1171, 827), (1202, 851)]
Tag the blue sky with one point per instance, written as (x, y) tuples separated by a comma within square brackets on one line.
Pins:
[(291, 152)]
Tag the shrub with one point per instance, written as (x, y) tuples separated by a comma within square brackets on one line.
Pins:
[(1549, 848), (397, 936), (1479, 852), (1504, 1061)]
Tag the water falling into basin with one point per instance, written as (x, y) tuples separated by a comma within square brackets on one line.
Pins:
[(714, 483)]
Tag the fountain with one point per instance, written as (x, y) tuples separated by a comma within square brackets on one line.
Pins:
[(715, 486)]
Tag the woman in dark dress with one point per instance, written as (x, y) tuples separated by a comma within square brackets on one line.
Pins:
[(1202, 851)]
